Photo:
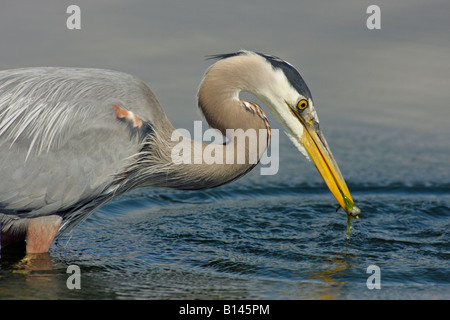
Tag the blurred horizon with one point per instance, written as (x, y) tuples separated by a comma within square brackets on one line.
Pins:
[(397, 75)]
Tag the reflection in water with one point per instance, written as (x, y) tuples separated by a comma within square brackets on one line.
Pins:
[(35, 266), (330, 274), (32, 277), (240, 251)]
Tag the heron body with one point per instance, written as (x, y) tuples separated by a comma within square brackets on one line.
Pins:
[(73, 139)]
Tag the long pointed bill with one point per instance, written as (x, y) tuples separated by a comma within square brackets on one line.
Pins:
[(317, 147)]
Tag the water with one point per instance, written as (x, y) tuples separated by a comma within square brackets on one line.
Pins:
[(383, 102), (269, 237)]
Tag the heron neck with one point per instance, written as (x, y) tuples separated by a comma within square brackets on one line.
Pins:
[(243, 123), (199, 165), (176, 161)]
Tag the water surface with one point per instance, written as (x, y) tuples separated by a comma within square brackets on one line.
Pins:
[(382, 98), (266, 237)]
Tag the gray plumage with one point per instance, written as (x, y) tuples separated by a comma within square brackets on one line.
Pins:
[(64, 151), (73, 139), (60, 142)]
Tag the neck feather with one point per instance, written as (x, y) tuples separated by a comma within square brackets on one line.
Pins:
[(198, 165)]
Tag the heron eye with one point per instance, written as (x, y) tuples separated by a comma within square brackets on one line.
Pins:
[(302, 104)]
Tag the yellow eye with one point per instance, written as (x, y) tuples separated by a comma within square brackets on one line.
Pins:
[(302, 104)]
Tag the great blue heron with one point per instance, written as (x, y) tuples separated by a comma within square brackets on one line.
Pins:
[(72, 139)]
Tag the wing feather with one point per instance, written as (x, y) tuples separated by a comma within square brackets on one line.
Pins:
[(60, 140)]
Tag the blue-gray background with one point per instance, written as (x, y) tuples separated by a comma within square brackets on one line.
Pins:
[(383, 100)]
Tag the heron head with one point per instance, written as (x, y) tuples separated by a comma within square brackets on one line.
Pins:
[(283, 90)]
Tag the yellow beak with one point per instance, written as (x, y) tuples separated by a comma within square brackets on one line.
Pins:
[(317, 147)]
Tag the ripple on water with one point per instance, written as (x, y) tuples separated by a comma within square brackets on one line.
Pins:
[(274, 242)]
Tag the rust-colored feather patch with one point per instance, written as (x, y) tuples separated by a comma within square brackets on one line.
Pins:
[(126, 115)]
